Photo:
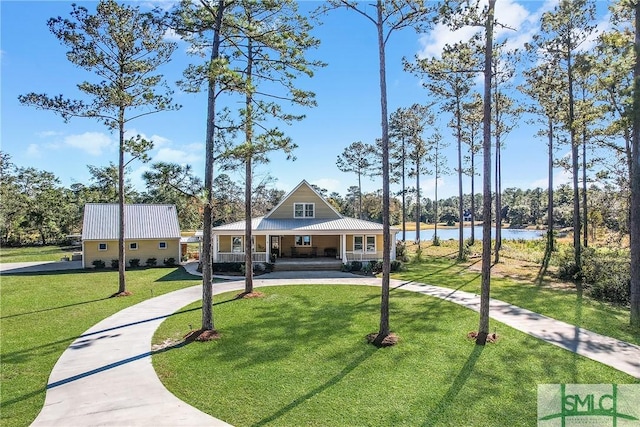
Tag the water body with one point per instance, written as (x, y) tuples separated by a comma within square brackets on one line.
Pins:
[(452, 234)]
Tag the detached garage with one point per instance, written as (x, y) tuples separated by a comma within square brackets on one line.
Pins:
[(151, 231)]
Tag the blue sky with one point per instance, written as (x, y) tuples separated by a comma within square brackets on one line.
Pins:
[(347, 93)]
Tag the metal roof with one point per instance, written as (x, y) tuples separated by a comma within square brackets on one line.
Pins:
[(262, 224), (141, 221)]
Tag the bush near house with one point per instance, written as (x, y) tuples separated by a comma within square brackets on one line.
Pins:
[(151, 262), (98, 264)]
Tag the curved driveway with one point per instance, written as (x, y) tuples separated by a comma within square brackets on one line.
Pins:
[(106, 377)]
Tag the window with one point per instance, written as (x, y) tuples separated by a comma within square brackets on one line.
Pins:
[(303, 240), (371, 243), (102, 246), (133, 246), (236, 244), (364, 243), (357, 243), (304, 210), (162, 245)]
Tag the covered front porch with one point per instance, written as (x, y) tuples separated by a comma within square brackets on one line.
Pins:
[(271, 247)]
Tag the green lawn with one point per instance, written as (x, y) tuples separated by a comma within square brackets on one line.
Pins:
[(299, 357), (41, 314), (36, 253), (553, 300)]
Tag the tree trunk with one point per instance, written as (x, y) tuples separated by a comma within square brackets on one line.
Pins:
[(483, 327), (207, 243), (473, 197), (248, 248), (359, 195), (122, 286), (384, 330), (435, 204), (585, 210), (418, 207), (577, 249), (550, 192), (404, 196), (635, 183), (460, 193)]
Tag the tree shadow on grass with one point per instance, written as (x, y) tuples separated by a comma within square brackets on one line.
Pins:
[(366, 353), (53, 308), (178, 274), (440, 411)]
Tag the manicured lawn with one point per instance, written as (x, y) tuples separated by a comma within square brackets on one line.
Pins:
[(36, 253), (41, 314), (557, 300), (299, 357)]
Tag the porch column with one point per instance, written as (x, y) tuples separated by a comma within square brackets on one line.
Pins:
[(343, 248), (268, 244), (214, 243)]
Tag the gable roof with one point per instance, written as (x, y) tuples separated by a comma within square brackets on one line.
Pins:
[(142, 221), (315, 197)]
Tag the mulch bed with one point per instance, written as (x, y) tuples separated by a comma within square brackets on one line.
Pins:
[(254, 294), (492, 338), (202, 335), (388, 341), (122, 294)]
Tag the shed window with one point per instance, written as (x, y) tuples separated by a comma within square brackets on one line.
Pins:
[(133, 246), (102, 246), (162, 245)]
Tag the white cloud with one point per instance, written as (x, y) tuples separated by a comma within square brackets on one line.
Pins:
[(48, 134), (91, 142), (171, 155), (560, 177), (519, 25), (328, 183), (33, 150)]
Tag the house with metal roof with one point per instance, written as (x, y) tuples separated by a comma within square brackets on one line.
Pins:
[(302, 225), (151, 231)]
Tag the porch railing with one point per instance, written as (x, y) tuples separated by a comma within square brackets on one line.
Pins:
[(239, 257), (363, 256)]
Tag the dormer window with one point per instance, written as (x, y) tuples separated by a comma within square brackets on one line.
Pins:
[(304, 210)]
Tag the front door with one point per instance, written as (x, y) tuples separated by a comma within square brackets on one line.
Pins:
[(275, 246)]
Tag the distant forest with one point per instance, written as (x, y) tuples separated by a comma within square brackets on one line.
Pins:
[(37, 209)]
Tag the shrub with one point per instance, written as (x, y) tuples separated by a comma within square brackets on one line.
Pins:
[(396, 265), (436, 240), (346, 267), (401, 251), (356, 265), (229, 267), (169, 262), (607, 275), (151, 262), (134, 262), (98, 264), (115, 264)]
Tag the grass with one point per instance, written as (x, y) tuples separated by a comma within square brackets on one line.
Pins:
[(517, 283), (299, 357), (41, 314), (36, 253)]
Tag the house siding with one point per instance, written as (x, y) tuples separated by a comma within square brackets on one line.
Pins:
[(146, 249), (304, 194)]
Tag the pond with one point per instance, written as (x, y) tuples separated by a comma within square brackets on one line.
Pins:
[(452, 233)]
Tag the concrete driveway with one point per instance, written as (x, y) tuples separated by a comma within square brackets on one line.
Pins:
[(37, 267)]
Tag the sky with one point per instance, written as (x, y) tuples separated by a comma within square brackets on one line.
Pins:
[(347, 94)]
